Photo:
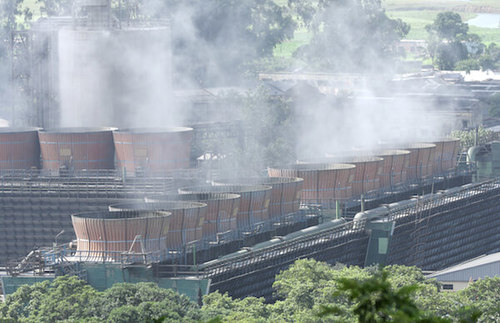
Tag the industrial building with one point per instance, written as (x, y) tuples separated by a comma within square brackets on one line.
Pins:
[(460, 276), (116, 194)]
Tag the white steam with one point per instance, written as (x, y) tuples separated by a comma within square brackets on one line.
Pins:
[(116, 78)]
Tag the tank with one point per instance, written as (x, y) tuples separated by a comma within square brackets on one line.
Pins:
[(77, 148), (222, 209), (111, 236), (394, 166), (19, 148), (324, 183), (285, 194), (445, 158), (186, 220), (253, 212), (367, 172), (153, 150)]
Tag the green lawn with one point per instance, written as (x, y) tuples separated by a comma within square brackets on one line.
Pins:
[(418, 14), (419, 19), (443, 5)]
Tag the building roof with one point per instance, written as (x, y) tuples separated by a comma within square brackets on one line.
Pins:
[(480, 267)]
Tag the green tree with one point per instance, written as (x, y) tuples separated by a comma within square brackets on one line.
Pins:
[(468, 137), (268, 122), (349, 35), (249, 309), (484, 294), (71, 299), (448, 26), (214, 41), (451, 46)]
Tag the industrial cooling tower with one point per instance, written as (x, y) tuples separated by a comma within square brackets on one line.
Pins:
[(445, 158), (186, 220), (285, 194), (324, 184), (395, 164), (253, 212), (222, 210), (366, 176), (19, 148), (77, 148), (117, 236), (153, 150)]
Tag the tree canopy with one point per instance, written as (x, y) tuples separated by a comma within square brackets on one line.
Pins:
[(349, 35), (452, 47), (309, 291)]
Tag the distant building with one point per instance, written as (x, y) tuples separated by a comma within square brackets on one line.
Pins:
[(459, 276), (414, 46)]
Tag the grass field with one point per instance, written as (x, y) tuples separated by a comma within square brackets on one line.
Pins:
[(418, 14)]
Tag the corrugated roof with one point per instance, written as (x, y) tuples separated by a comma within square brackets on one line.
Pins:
[(480, 267)]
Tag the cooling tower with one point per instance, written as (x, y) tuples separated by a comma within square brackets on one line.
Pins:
[(186, 220), (254, 203), (77, 148), (445, 158), (323, 183), (394, 166), (153, 150), (285, 194), (222, 210), (19, 148), (114, 236), (367, 172)]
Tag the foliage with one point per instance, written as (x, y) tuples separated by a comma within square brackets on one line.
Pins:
[(485, 295), (270, 136), (69, 298), (448, 26), (467, 65), (453, 48), (467, 137), (377, 301), (349, 35), (309, 291), (214, 39)]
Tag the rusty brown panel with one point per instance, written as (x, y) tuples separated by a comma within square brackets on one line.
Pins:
[(446, 153), (421, 160), (186, 221), (324, 183), (366, 176), (77, 148), (394, 169), (220, 209), (285, 193), (103, 236), (19, 148), (253, 205), (153, 149)]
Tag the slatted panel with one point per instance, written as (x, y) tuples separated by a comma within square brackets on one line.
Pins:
[(186, 221), (285, 193), (104, 236), (323, 183), (254, 202)]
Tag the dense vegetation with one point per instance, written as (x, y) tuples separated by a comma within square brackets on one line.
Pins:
[(309, 291), (451, 46)]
